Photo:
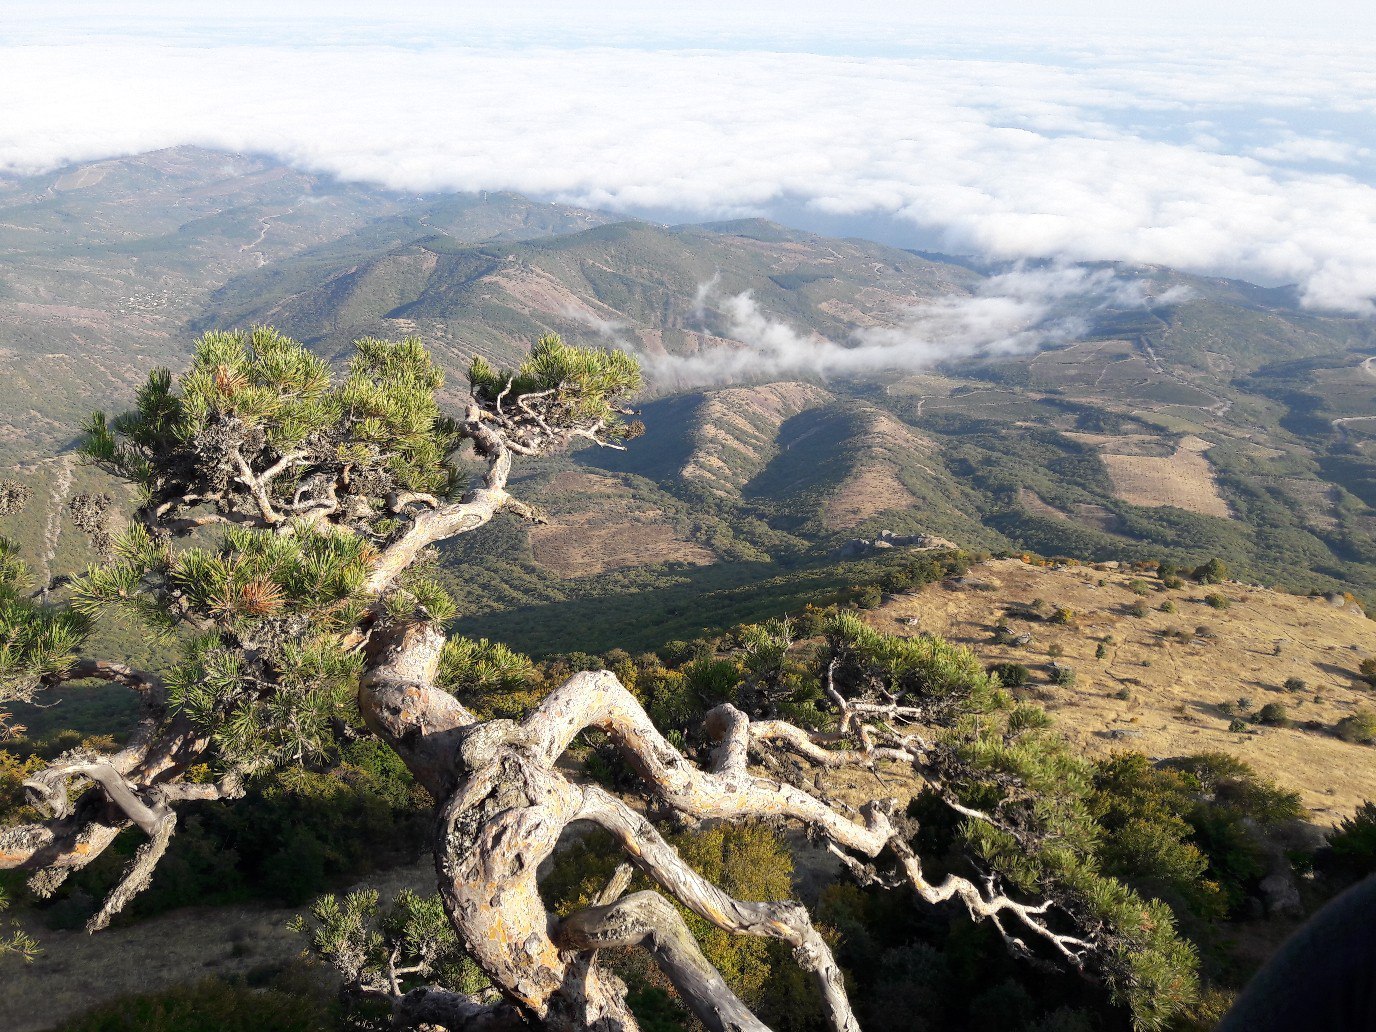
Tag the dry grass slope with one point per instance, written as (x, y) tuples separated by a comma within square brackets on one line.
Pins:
[(1163, 695), (1184, 479)]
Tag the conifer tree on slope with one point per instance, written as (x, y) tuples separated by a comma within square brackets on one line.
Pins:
[(283, 511)]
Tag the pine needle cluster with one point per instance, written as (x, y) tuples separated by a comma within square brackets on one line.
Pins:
[(257, 407), (1035, 834), (564, 385), (35, 639)]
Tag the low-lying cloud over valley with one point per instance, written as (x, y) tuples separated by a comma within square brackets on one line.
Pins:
[(1205, 150), (1015, 312)]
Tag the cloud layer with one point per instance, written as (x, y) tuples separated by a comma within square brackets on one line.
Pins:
[(1016, 312), (1247, 157)]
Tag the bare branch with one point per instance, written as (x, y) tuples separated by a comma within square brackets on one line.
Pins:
[(430, 1006), (598, 699), (138, 874), (648, 919), (257, 488), (780, 920)]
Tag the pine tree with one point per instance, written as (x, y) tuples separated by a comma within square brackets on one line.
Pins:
[(279, 542)]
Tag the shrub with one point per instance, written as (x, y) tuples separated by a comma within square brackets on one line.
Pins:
[(1216, 601), (1143, 811), (869, 597), (1367, 668), (1138, 586), (1354, 841), (1215, 571), (1237, 727), (1294, 684), (1167, 606), (712, 680), (1273, 714), (1137, 609), (1063, 675), (1100, 650), (1172, 582), (1013, 675), (749, 861), (1055, 651), (1063, 615), (1359, 727)]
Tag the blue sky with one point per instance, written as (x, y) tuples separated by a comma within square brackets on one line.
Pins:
[(1223, 138)]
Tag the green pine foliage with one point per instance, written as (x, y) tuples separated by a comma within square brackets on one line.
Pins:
[(363, 939), (999, 757), (258, 395), (34, 639), (488, 677), (1354, 841), (286, 596), (584, 384)]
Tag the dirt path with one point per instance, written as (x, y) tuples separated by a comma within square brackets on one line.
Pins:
[(77, 971), (266, 223)]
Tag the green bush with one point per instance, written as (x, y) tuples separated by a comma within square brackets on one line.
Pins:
[(1215, 571), (1295, 684), (1063, 675), (868, 596), (1217, 601), (748, 861), (1354, 842), (1273, 714), (1358, 728), (1012, 675), (1367, 669)]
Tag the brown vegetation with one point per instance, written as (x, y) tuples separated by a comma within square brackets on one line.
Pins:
[(1180, 687)]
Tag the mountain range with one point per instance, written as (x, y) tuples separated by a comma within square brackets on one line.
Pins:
[(1145, 413)]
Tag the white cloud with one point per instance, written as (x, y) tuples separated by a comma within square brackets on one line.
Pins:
[(1015, 312), (1101, 145)]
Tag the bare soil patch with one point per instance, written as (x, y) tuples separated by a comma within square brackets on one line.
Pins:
[(870, 490), (1184, 479), (536, 290), (586, 544)]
